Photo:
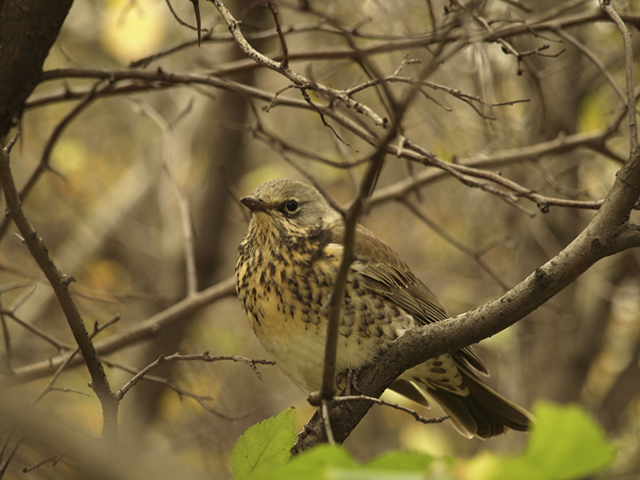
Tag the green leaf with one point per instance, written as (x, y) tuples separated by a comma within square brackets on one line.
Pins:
[(395, 465), (265, 446), (315, 464), (400, 461), (565, 444), (326, 462)]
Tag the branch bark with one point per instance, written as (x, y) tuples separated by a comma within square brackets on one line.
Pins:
[(28, 29)]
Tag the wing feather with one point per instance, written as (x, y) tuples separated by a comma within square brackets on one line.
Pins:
[(383, 272)]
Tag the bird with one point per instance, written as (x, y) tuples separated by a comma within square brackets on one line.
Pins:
[(285, 272)]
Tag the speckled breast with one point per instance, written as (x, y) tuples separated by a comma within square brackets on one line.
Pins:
[(285, 293)]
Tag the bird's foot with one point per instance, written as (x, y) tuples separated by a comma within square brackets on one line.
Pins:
[(348, 381)]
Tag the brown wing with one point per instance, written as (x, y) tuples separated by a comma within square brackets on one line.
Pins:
[(385, 273)]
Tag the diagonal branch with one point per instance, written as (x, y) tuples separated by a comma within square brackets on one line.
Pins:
[(283, 68), (60, 284), (143, 330)]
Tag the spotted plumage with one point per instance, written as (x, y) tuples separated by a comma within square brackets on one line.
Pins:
[(285, 272)]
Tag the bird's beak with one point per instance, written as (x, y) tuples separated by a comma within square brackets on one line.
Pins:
[(254, 204)]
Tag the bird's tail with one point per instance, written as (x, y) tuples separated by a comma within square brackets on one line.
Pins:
[(483, 412)]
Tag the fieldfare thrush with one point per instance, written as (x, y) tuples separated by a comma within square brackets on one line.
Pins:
[(285, 274)]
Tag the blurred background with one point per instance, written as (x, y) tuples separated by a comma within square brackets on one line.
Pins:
[(110, 213)]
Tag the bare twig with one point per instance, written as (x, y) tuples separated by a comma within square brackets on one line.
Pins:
[(307, 99), (60, 284), (324, 408), (47, 337), (94, 92), (205, 357), (196, 9), (53, 460), (6, 459), (378, 401), (340, 282), (510, 189), (466, 98), (234, 28), (476, 256), (351, 217), (283, 43), (201, 399), (593, 59), (68, 358), (185, 24), (183, 202), (8, 349), (143, 330), (628, 73)]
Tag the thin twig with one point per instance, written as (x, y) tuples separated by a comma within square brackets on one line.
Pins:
[(143, 330), (47, 337), (8, 350), (205, 357), (60, 284), (593, 59), (283, 43), (477, 257), (44, 165), (183, 202), (234, 28), (628, 72), (324, 407), (413, 413), (466, 98), (53, 460), (7, 460), (183, 23), (201, 399), (69, 357), (335, 302), (510, 189)]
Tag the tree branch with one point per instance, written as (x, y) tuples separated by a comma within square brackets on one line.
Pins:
[(28, 30), (60, 284), (144, 330)]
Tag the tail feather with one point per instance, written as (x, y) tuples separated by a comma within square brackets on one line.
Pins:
[(411, 391), (483, 413)]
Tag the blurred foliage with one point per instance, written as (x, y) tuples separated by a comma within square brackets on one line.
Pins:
[(566, 443)]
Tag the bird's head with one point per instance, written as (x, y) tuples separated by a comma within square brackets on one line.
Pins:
[(285, 207)]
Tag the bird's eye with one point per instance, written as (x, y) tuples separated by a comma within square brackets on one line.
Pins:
[(292, 205)]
